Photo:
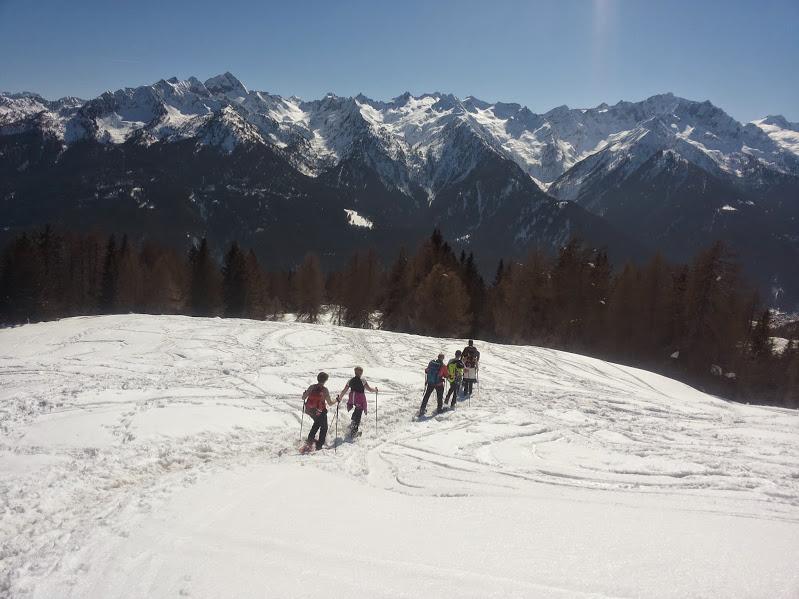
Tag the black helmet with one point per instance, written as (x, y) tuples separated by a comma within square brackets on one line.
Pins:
[(458, 354)]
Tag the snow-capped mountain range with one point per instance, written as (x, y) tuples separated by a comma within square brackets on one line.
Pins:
[(491, 170), (413, 130)]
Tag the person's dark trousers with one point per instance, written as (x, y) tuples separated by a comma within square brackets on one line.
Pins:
[(467, 387), (319, 424), (454, 388), (428, 392), (355, 421)]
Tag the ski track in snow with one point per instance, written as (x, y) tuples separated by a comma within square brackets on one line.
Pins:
[(105, 420)]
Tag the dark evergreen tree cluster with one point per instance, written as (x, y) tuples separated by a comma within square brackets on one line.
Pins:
[(434, 292), (52, 275), (696, 322)]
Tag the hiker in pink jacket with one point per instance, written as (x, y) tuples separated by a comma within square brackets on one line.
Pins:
[(357, 399)]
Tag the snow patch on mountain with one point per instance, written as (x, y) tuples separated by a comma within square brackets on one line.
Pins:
[(356, 220)]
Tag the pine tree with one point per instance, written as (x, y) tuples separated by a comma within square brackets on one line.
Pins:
[(441, 305), (675, 309), (597, 300), (85, 266), (281, 299), (204, 285), (166, 281), (129, 285), (715, 310), (476, 290), (760, 343), (309, 288), (22, 282), (570, 285), (235, 282), (108, 290), (257, 300), (55, 281), (789, 365), (396, 307), (360, 288), (500, 272), (655, 280), (625, 314)]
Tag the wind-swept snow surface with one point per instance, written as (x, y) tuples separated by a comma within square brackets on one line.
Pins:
[(148, 456)]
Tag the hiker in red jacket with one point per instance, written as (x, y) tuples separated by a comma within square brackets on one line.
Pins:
[(316, 399)]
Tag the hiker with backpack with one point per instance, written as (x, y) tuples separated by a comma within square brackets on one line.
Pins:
[(315, 401), (435, 373), (471, 362), (455, 375), (357, 399)]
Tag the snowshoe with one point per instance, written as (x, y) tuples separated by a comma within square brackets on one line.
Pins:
[(308, 448)]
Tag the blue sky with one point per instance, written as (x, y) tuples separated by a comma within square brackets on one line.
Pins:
[(743, 56)]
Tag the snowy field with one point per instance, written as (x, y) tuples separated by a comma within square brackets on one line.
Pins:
[(156, 457)]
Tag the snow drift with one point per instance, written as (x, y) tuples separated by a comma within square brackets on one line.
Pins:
[(147, 456)]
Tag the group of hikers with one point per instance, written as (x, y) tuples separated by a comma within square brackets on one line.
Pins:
[(461, 373), (460, 370)]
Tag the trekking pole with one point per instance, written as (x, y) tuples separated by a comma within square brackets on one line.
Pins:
[(335, 441), (375, 412), (302, 418)]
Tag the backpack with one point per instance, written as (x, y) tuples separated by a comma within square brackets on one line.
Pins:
[(455, 368), (433, 372), (315, 402), (469, 356)]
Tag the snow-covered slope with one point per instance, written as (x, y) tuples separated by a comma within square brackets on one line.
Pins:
[(784, 133), (146, 456), (698, 133)]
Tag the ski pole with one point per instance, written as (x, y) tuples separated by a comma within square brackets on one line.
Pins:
[(375, 412)]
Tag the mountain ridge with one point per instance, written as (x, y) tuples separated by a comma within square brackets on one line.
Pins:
[(412, 163), (545, 145)]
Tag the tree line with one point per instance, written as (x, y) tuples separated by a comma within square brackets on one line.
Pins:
[(697, 322)]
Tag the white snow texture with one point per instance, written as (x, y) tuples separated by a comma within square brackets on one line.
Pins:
[(155, 456)]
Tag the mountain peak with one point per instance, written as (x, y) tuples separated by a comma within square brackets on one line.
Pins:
[(559, 110), (401, 100), (227, 84), (777, 120)]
